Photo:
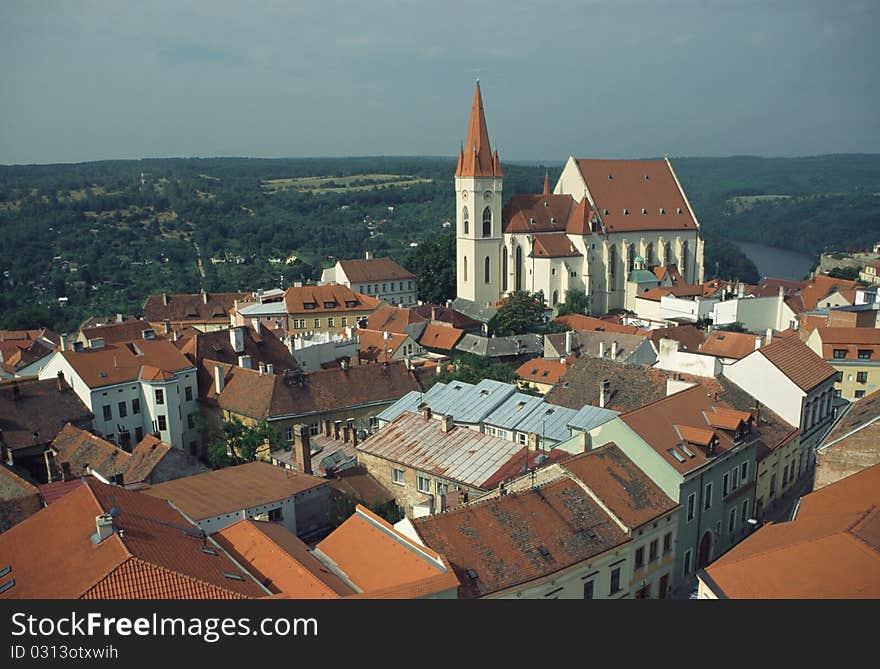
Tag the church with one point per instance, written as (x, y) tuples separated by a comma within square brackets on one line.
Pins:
[(605, 226)]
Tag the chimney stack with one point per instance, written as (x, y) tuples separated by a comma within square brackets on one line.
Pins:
[(262, 366), (368, 255), (426, 413), (446, 423), (326, 429), (604, 392), (569, 337), (601, 349), (270, 368), (219, 379), (740, 290), (164, 299), (244, 361), (7, 455), (303, 446), (167, 326), (768, 337), (65, 471), (757, 343), (64, 342), (104, 525), (60, 377), (346, 434), (236, 339), (614, 350), (118, 318), (204, 297), (337, 427), (533, 442), (258, 326)]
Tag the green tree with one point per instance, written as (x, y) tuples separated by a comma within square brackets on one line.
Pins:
[(473, 369), (732, 327), (576, 302), (848, 273), (521, 312), (235, 443), (433, 263)]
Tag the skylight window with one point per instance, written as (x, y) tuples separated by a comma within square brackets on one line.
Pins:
[(675, 454), (686, 450), (234, 577)]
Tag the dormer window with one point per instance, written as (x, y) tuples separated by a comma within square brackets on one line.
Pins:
[(662, 210), (678, 210), (351, 303), (308, 305), (625, 211), (644, 211), (329, 305)]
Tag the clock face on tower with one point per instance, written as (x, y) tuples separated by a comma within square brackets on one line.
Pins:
[(488, 195)]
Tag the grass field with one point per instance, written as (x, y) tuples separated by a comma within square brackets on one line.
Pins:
[(353, 182)]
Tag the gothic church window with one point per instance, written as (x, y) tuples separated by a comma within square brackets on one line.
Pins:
[(487, 222)]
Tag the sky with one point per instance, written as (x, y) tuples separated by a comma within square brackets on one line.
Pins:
[(97, 79)]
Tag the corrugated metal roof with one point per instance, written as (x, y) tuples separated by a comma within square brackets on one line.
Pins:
[(479, 401), (461, 455), (266, 308), (513, 410), (408, 402), (589, 417), (549, 421)]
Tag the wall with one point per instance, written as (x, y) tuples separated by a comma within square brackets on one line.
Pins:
[(288, 511), (673, 360), (402, 293), (651, 572), (311, 357), (763, 381), (649, 309), (681, 308), (849, 370), (768, 489), (837, 461), (15, 510)]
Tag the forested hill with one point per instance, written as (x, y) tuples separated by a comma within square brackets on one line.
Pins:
[(106, 234)]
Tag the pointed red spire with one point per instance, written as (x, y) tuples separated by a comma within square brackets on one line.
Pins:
[(546, 184), (478, 160), (496, 164)]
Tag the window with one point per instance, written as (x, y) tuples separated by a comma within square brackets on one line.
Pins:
[(123, 410), (667, 543), (384, 287), (108, 412), (707, 499), (163, 425), (652, 550), (588, 590), (486, 269), (521, 438), (487, 222), (442, 488), (465, 268), (663, 586), (288, 433), (862, 377), (745, 512), (138, 433), (686, 565), (859, 394), (690, 506), (188, 393), (309, 305), (160, 396), (838, 377), (190, 421), (317, 322), (725, 485), (640, 558), (839, 353), (136, 406), (864, 354), (785, 476), (615, 581), (731, 523), (718, 530), (424, 484), (735, 483), (397, 476), (744, 472), (772, 485), (315, 429), (275, 515), (344, 321), (330, 323)]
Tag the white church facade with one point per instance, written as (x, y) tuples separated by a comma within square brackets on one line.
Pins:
[(603, 222)]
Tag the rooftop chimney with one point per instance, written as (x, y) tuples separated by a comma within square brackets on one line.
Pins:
[(601, 349), (604, 392), (262, 365), (166, 324), (569, 337), (368, 255), (236, 339), (614, 350), (303, 448), (270, 368), (219, 379), (740, 290), (7, 456), (757, 343), (446, 423), (60, 377), (118, 318), (64, 342), (165, 299), (244, 361), (337, 428), (426, 413), (258, 326), (104, 525), (204, 297), (533, 442), (65, 471), (768, 337), (346, 434)]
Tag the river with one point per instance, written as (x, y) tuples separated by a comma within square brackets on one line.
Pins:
[(778, 263)]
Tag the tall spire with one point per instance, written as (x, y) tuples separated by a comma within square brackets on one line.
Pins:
[(478, 160)]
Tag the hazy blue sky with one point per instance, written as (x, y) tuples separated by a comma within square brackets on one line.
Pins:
[(86, 80)]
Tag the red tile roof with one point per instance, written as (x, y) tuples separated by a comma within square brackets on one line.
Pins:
[(114, 333), (851, 340), (197, 307), (553, 246), (724, 344), (119, 363), (440, 337), (374, 269), (28, 406), (393, 319), (158, 553), (538, 213), (581, 322), (541, 370), (821, 286), (476, 158), (496, 544), (342, 299), (635, 186), (691, 338), (83, 450), (798, 362), (831, 550), (232, 489), (375, 347)]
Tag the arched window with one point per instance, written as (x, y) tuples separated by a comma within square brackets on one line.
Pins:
[(518, 268), (466, 216), (649, 254), (631, 256), (486, 269), (555, 297), (612, 262), (465, 268), (684, 261), (487, 222), (504, 262)]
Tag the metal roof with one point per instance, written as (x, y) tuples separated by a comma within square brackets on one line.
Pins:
[(589, 417), (493, 347), (473, 310), (549, 421), (473, 405), (262, 309), (461, 455), (513, 410)]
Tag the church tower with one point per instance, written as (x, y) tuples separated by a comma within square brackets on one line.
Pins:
[(478, 182)]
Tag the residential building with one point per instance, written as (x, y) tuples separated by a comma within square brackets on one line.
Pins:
[(440, 314), (510, 348), (263, 307), (541, 374), (32, 412), (828, 551), (702, 454), (440, 337), (854, 353), (112, 331), (729, 347), (853, 444), (19, 498), (257, 490), (796, 384), (634, 349), (870, 273), (377, 277), (585, 235), (105, 542), (201, 311), (323, 350), (25, 352), (402, 320), (379, 346), (140, 387), (856, 316), (326, 308)]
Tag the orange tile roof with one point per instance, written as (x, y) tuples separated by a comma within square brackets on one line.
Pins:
[(624, 488), (374, 556), (374, 269), (158, 553), (297, 297), (29, 405), (499, 541), (145, 457), (821, 286), (850, 340), (581, 322), (114, 333), (476, 158), (196, 307), (542, 370), (634, 186), (696, 435), (798, 362), (120, 363), (688, 336), (728, 419), (232, 489), (393, 319), (830, 550), (374, 346), (440, 337), (83, 450), (553, 246), (280, 560), (537, 213), (724, 344), (680, 290)]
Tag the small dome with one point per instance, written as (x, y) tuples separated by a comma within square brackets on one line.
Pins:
[(639, 259)]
